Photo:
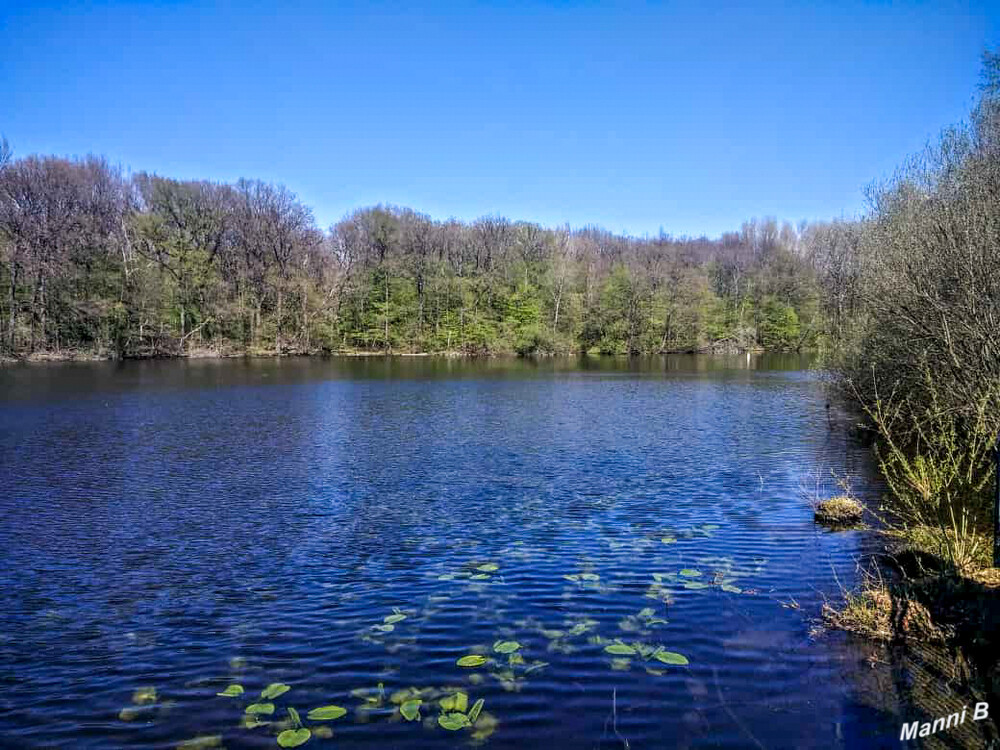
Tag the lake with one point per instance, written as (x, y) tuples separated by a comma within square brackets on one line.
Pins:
[(622, 550)]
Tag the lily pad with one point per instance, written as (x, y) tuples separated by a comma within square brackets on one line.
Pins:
[(488, 568), (472, 660), (589, 577), (232, 691), (479, 577), (669, 539), (326, 713), (384, 628), (695, 585), (394, 618), (294, 737), (274, 690), (506, 647), (457, 702), (691, 573), (732, 589), (144, 696), (670, 657), (201, 743), (410, 709), (474, 712), (620, 649), (260, 708), (536, 666), (454, 721)]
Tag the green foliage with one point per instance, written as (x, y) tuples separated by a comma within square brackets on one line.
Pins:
[(150, 266), (779, 325)]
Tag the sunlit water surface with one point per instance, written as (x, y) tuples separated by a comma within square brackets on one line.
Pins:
[(185, 526)]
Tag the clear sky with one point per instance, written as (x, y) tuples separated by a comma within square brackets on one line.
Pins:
[(685, 116)]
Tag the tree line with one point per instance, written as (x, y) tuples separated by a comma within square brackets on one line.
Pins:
[(95, 261)]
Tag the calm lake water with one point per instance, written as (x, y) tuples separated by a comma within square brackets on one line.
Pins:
[(186, 526)]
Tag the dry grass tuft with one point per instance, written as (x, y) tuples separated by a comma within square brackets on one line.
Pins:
[(839, 511)]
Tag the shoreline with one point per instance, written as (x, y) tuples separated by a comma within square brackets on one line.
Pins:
[(78, 356)]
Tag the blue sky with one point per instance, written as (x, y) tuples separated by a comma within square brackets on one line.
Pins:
[(685, 116)]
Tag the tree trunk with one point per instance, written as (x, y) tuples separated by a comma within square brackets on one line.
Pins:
[(387, 346), (278, 333), (305, 314), (13, 305)]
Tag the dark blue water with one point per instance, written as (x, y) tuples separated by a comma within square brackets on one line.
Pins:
[(179, 527)]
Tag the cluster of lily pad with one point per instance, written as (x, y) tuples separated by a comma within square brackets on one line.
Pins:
[(291, 732), (474, 571), (641, 622), (511, 675), (566, 637), (624, 654), (447, 708), (450, 708)]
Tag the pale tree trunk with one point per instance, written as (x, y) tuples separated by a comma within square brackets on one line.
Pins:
[(278, 333), (305, 313)]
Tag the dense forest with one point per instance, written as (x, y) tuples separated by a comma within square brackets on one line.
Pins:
[(98, 262)]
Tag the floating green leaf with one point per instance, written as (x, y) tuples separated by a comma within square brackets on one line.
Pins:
[(695, 585), (260, 708), (293, 715), (536, 666), (144, 696), (393, 619), (488, 568), (620, 649), (294, 737), (506, 647), (386, 628), (476, 708), (479, 577), (691, 573), (670, 657), (472, 660), (589, 577), (732, 589), (457, 702), (669, 539), (326, 713), (274, 690), (201, 743), (410, 709), (232, 691), (454, 721), (573, 578)]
